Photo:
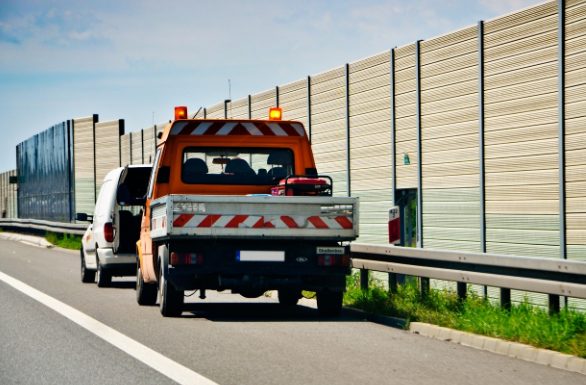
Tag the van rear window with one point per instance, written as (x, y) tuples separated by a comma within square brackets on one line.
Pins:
[(235, 166)]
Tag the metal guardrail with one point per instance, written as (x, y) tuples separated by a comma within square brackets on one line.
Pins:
[(37, 225), (556, 277)]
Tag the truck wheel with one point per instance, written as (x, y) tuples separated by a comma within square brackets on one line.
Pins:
[(289, 297), (103, 277), (146, 294), (170, 299), (87, 276), (329, 304)]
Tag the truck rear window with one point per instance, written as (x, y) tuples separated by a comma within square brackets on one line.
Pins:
[(235, 166)]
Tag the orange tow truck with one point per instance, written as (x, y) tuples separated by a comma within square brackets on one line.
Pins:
[(238, 205)]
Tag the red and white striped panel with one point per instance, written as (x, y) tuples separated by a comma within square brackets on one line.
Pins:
[(255, 222), (227, 127), (218, 221)]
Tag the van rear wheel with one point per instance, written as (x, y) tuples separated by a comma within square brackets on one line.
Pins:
[(87, 276), (103, 277), (170, 299), (146, 294)]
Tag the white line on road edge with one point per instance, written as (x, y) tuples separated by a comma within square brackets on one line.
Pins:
[(157, 361)]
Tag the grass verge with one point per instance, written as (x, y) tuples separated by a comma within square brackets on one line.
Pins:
[(564, 332), (66, 241)]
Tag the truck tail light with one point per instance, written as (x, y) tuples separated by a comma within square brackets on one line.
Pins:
[(333, 260), (180, 112), (186, 258), (108, 232)]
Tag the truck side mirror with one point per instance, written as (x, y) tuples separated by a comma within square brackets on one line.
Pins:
[(163, 174)]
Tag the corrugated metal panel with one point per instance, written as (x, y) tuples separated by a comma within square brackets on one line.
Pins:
[(293, 101), (8, 195), (215, 111), (521, 133), (44, 176), (374, 206), (370, 144), (527, 235), (13, 194), (238, 109), (136, 150), (261, 103), (125, 150), (575, 140), (107, 149), (83, 150), (406, 125), (328, 131), (449, 121), (148, 143), (451, 219)]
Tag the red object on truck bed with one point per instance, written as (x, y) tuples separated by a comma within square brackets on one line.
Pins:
[(299, 185)]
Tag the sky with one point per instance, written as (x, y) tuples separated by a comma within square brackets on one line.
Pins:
[(137, 60)]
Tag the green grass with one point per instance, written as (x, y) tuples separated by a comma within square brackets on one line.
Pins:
[(66, 241), (564, 332)]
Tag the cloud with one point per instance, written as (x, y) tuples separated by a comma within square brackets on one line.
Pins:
[(7, 35)]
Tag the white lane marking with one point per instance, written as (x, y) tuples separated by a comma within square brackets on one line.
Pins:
[(157, 361)]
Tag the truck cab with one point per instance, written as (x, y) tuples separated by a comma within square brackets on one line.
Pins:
[(238, 205)]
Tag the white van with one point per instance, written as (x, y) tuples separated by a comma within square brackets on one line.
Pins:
[(109, 244)]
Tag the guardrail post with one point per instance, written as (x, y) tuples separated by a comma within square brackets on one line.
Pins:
[(462, 290), (393, 282), (553, 303), (506, 298), (424, 286), (364, 279)]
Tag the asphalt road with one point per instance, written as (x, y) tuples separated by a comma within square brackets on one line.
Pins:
[(225, 338)]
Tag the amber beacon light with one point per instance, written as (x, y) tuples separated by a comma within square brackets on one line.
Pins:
[(180, 112), (275, 113)]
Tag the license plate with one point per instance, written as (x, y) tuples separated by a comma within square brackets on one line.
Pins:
[(260, 256), (330, 250)]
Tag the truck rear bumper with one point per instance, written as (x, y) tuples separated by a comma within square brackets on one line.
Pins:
[(188, 280), (222, 265)]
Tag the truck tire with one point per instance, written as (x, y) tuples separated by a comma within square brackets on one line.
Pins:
[(103, 277), (170, 299), (329, 304), (289, 297), (146, 293), (87, 276)]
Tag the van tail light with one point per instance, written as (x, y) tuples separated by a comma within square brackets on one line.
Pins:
[(108, 232), (333, 260), (186, 258)]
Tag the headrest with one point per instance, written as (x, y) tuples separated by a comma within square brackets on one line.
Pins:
[(238, 166), (280, 157), (279, 172), (195, 166)]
